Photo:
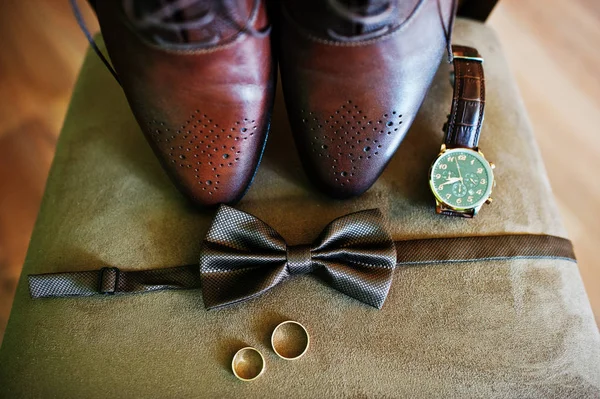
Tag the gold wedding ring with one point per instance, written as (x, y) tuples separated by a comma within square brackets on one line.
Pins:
[(248, 364), (290, 340)]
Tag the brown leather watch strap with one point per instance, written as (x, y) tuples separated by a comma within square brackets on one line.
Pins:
[(466, 115), (449, 212)]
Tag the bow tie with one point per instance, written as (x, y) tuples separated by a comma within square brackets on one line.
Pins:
[(243, 257)]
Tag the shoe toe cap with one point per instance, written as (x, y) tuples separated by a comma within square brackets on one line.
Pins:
[(346, 149), (212, 160)]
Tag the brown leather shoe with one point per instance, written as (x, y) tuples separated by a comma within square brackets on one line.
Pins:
[(354, 74), (200, 77)]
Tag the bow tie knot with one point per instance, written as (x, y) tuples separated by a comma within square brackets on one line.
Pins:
[(299, 259), (243, 257)]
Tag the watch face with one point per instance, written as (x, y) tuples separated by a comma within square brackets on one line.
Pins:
[(461, 178)]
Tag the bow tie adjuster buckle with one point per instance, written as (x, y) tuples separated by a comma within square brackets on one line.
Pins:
[(109, 279)]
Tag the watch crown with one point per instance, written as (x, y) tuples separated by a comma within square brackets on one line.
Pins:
[(489, 200), (492, 165)]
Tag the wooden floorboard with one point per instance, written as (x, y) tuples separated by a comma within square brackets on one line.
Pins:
[(551, 45), (552, 48), (42, 51)]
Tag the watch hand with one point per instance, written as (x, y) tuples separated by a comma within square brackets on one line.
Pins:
[(451, 180), (458, 166)]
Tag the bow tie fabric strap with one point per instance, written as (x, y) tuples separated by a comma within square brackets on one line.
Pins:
[(483, 248), (243, 257), (111, 281)]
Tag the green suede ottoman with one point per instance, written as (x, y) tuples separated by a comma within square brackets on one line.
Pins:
[(518, 328)]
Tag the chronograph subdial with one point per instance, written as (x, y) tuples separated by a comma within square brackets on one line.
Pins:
[(471, 180), (459, 189), (448, 174)]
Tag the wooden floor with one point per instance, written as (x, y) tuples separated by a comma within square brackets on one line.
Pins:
[(553, 49), (552, 46)]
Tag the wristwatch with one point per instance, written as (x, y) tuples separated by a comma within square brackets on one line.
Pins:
[(461, 179)]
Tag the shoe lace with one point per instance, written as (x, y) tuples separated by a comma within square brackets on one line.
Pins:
[(358, 16), (450, 27), (161, 19)]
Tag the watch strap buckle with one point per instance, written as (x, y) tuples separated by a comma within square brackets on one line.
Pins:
[(466, 53)]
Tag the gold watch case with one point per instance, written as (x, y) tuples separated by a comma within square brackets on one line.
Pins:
[(441, 205)]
